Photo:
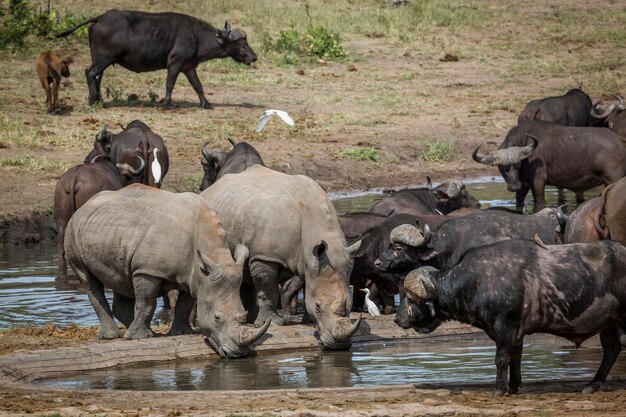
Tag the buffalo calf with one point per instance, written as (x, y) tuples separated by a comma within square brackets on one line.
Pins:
[(50, 68)]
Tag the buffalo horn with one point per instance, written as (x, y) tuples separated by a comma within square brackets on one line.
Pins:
[(420, 283), (232, 142), (408, 235), (95, 158), (249, 336), (561, 217), (507, 156), (205, 153), (129, 168), (621, 105), (601, 115), (429, 183), (103, 133), (454, 190)]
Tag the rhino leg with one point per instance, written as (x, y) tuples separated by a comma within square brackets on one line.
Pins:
[(123, 309), (265, 277), (95, 292), (182, 312), (146, 290)]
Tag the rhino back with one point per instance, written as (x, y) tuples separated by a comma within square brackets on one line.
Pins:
[(141, 230), (279, 217)]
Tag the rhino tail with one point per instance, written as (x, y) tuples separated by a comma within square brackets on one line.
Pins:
[(70, 31)]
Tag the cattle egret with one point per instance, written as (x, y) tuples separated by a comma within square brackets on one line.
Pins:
[(271, 113), (371, 306), (156, 168)]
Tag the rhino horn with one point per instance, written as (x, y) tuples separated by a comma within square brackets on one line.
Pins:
[(420, 283), (410, 235), (249, 336)]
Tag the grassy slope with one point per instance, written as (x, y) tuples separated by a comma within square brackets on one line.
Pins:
[(393, 94)]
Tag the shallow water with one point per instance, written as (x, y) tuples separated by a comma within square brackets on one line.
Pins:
[(448, 362), (30, 295)]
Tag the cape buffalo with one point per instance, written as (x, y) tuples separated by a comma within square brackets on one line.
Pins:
[(573, 291), (142, 42), (136, 140), (291, 228), (77, 185), (217, 163), (50, 68), (446, 197), (612, 116), (570, 109), (535, 154), (142, 242)]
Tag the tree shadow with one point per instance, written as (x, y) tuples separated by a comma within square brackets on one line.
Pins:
[(177, 104)]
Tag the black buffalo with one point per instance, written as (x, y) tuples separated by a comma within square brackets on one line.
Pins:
[(143, 42), (136, 142), (443, 199), (570, 109), (217, 163), (612, 116), (514, 288), (77, 185), (535, 154), (409, 248)]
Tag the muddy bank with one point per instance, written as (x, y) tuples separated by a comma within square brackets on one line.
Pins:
[(27, 229)]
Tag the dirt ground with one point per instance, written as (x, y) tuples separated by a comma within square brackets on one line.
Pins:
[(394, 97)]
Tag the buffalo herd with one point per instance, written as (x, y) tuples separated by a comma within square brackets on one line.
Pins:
[(254, 237)]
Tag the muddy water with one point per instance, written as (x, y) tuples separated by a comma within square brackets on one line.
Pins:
[(30, 295), (444, 363)]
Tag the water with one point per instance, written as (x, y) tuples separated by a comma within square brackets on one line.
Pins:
[(30, 295), (444, 363)]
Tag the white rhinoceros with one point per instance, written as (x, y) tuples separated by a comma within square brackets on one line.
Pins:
[(142, 242), (291, 228)]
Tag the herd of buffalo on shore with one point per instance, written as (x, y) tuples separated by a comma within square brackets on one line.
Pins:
[(242, 249)]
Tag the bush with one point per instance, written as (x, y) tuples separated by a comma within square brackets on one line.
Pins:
[(317, 42), (21, 19)]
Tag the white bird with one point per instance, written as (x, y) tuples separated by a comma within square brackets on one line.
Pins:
[(156, 168), (371, 306), (268, 114)]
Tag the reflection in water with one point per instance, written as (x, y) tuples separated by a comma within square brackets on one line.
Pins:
[(449, 362), (30, 295)]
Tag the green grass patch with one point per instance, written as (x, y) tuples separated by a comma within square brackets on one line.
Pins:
[(439, 151), (361, 154), (33, 163)]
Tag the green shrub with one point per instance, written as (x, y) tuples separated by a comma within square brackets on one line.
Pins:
[(317, 42), (439, 151), (361, 154)]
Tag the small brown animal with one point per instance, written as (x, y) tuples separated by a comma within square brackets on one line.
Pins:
[(50, 68)]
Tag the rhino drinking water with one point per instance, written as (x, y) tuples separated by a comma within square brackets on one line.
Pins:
[(291, 228), (142, 242)]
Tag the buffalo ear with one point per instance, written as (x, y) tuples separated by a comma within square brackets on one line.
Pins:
[(427, 254)]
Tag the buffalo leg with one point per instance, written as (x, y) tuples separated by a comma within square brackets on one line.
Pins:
[(182, 313), (289, 291), (515, 367), (123, 309), (520, 196), (192, 76), (539, 197), (61, 250), (561, 196), (94, 78), (265, 277), (580, 198), (503, 359), (146, 290), (248, 297), (48, 97), (611, 348), (55, 94), (173, 70)]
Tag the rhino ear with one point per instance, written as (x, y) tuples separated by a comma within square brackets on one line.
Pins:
[(320, 252)]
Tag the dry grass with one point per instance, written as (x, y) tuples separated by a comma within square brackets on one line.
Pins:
[(394, 92)]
